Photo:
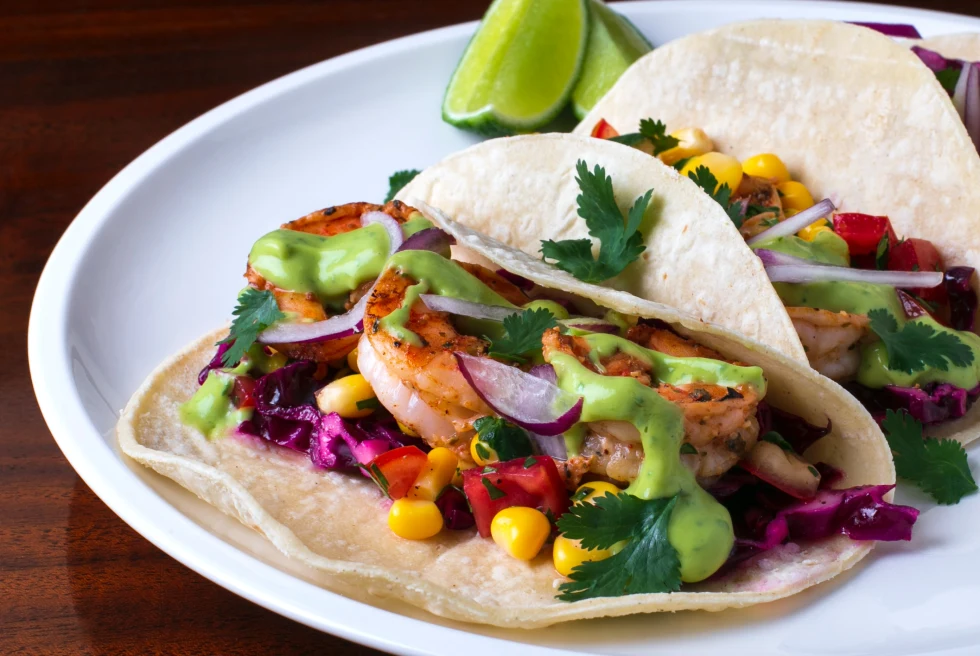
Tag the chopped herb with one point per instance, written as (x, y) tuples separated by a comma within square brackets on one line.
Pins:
[(398, 180), (770, 222), (620, 241), (688, 449), (652, 132), (379, 478), (778, 440), (756, 210), (681, 163), (256, 311), (881, 253), (507, 440), (529, 462), (487, 470), (368, 404), (581, 494), (494, 491), (523, 333), (917, 345), (813, 470), (704, 178), (482, 451), (948, 77), (938, 467), (648, 562)]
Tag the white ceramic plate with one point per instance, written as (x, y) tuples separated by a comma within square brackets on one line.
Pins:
[(154, 260)]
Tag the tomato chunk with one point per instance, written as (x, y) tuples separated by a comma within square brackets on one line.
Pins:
[(395, 471), (532, 482), (603, 130), (243, 392), (919, 255), (863, 232)]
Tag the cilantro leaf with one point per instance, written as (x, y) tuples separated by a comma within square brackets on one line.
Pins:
[(881, 253), (494, 491), (256, 311), (621, 242), (397, 180), (756, 210), (778, 440), (948, 77), (648, 562), (704, 178), (523, 334), (652, 132), (938, 467), (507, 440), (917, 345)]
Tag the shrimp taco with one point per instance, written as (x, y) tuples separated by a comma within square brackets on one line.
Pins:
[(844, 165), (488, 438)]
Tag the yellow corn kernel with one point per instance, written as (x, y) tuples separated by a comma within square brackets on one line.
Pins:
[(481, 453), (692, 142), (810, 232), (352, 361), (767, 166), (590, 491), (343, 395), (405, 429), (794, 196), (461, 466), (414, 519), (520, 531), (438, 473), (725, 168), (569, 554)]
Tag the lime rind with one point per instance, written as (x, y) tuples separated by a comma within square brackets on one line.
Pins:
[(512, 67)]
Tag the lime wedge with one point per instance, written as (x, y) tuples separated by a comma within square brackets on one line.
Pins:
[(614, 44), (519, 69)]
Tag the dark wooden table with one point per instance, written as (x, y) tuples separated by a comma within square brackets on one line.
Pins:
[(86, 86)]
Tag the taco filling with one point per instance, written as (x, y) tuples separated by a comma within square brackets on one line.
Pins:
[(883, 314), (480, 401)]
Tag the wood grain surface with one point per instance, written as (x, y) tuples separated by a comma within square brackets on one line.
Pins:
[(85, 87)]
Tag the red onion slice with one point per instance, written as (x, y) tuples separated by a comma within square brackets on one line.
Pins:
[(545, 372), (463, 308), (526, 400), (802, 273), (395, 234), (430, 239), (966, 98), (591, 325), (550, 445), (775, 258), (796, 223), (342, 325), (901, 30)]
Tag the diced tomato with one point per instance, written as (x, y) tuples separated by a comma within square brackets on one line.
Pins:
[(532, 482), (919, 255), (395, 471), (243, 392), (863, 232), (603, 130)]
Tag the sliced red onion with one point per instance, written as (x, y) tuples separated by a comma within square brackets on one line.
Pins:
[(342, 325), (430, 239), (932, 59), (518, 281), (901, 30), (463, 308), (775, 258), (551, 445), (545, 372), (528, 401), (796, 223), (802, 273), (966, 98), (592, 325), (395, 234)]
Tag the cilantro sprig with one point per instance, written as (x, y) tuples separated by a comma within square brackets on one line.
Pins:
[(397, 180), (648, 562), (917, 345), (938, 467), (654, 132), (621, 242), (522, 334), (507, 440), (704, 178), (256, 311)]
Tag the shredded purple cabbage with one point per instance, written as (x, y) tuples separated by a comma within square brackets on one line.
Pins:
[(800, 434), (455, 509), (962, 297), (901, 30), (932, 404), (344, 444), (285, 413), (214, 364)]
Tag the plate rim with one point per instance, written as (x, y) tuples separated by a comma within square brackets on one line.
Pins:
[(61, 405)]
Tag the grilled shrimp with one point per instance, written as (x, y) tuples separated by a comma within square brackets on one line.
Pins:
[(830, 339), (719, 421), (759, 192), (327, 222), (421, 385)]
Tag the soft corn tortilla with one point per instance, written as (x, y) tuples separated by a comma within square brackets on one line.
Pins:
[(522, 190), (965, 46), (855, 116), (337, 522)]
